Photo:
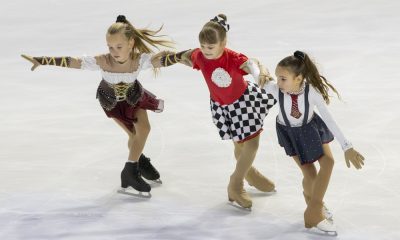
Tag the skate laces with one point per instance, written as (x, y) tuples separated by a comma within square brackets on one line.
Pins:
[(145, 162)]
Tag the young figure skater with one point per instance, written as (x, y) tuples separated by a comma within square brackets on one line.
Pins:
[(120, 94), (305, 135), (238, 107)]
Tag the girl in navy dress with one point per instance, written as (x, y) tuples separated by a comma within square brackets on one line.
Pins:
[(305, 135)]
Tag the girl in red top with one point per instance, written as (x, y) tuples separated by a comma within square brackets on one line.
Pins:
[(238, 107)]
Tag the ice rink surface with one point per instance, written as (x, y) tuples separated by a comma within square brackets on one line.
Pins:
[(60, 157)]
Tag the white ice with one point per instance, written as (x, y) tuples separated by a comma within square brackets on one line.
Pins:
[(60, 157)]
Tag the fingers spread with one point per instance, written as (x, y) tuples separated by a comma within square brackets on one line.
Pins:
[(348, 163)]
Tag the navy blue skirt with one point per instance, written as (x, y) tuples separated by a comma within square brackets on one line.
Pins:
[(307, 139)]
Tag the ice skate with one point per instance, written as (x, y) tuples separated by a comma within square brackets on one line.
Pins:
[(134, 193), (314, 218), (147, 170), (237, 194), (259, 181), (325, 210), (130, 177), (327, 213), (325, 227)]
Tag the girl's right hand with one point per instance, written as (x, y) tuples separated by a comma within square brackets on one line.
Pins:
[(32, 60)]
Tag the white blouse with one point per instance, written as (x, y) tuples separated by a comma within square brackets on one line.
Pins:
[(89, 63), (315, 99)]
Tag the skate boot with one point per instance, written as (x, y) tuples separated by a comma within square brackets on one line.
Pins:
[(259, 181), (147, 170), (313, 217), (237, 194), (130, 176), (325, 210)]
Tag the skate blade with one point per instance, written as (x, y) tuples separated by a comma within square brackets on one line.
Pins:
[(317, 231), (157, 181), (270, 192), (137, 194), (236, 205), (320, 232)]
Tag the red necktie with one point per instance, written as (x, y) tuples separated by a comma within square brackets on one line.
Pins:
[(295, 108)]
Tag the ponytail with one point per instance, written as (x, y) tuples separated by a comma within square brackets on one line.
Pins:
[(144, 38), (300, 63)]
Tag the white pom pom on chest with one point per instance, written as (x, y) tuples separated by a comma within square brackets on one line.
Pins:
[(221, 78)]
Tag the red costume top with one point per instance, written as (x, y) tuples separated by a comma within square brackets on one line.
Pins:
[(223, 75)]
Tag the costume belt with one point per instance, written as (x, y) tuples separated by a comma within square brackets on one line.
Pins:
[(110, 94)]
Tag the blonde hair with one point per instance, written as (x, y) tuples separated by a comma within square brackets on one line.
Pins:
[(144, 38)]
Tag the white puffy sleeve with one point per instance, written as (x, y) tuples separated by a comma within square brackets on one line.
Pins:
[(272, 88), (145, 61), (319, 101), (89, 63)]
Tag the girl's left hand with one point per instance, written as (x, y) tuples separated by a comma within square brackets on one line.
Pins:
[(354, 157), (264, 78)]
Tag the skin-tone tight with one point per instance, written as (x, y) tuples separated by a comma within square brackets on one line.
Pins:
[(315, 185), (138, 135)]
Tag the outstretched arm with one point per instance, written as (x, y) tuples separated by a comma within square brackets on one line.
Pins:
[(260, 73), (55, 61), (350, 154), (167, 58)]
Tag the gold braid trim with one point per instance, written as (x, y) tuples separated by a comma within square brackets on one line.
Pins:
[(171, 58), (56, 61)]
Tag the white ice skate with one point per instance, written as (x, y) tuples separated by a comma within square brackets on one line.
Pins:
[(327, 213), (326, 227)]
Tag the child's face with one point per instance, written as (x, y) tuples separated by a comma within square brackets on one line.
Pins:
[(212, 51), (287, 81), (119, 46)]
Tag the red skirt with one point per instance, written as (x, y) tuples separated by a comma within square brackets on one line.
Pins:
[(126, 113)]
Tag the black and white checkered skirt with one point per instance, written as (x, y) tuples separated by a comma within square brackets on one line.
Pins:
[(244, 117)]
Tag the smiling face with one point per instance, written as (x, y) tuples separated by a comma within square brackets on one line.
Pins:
[(287, 80), (213, 51), (119, 46)]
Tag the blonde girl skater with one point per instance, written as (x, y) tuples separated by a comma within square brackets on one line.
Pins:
[(121, 95)]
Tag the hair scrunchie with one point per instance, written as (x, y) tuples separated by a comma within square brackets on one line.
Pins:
[(121, 19), (221, 22), (300, 55)]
